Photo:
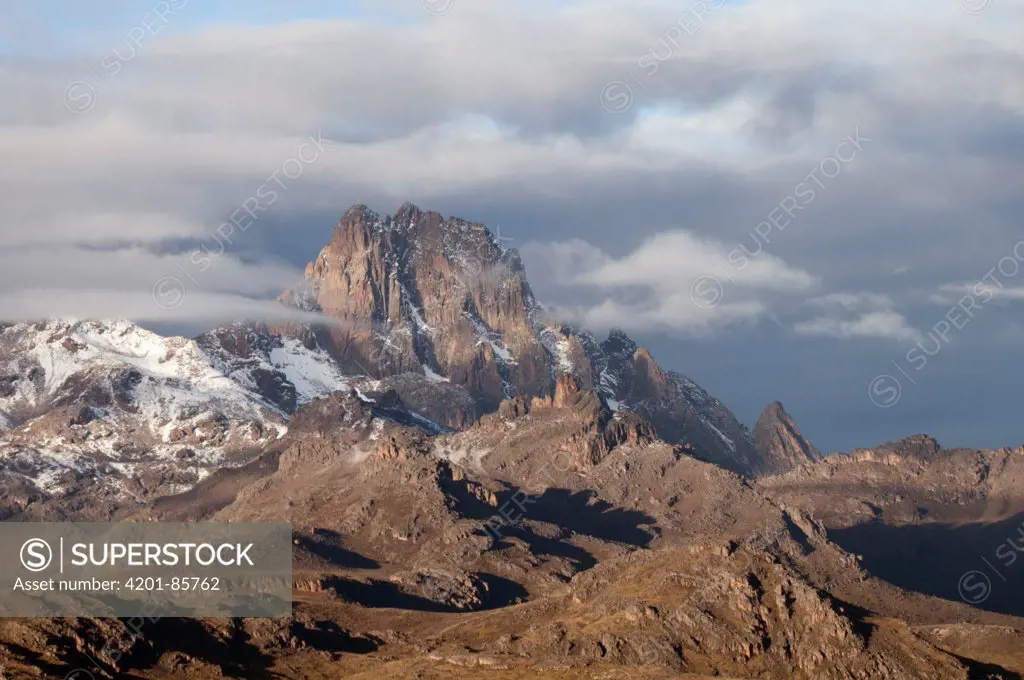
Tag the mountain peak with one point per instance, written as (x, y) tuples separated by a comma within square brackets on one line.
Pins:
[(408, 208), (359, 211), (418, 293), (619, 343), (779, 442), (437, 308)]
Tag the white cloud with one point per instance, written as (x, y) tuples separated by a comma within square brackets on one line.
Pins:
[(128, 282), (981, 292), (670, 259), (861, 315), (674, 281), (673, 313), (194, 306), (882, 324), (100, 228), (851, 301)]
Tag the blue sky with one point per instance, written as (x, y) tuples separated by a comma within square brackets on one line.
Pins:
[(628, 149), (50, 28)]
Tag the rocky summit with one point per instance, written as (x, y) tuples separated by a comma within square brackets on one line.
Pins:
[(477, 490), (779, 443)]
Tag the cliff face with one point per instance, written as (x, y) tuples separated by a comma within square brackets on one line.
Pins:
[(779, 442), (418, 293)]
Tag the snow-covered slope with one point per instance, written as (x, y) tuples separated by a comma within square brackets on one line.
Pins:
[(122, 373), (79, 396), (286, 372)]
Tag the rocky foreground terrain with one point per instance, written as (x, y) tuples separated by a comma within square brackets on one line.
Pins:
[(478, 491)]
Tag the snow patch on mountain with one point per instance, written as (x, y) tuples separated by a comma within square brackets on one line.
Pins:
[(433, 376), (283, 373), (562, 350), (499, 350), (419, 323), (314, 374), (502, 355), (465, 453), (608, 383), (730, 444), (486, 336)]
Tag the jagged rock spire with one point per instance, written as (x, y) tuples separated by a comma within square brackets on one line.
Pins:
[(779, 442)]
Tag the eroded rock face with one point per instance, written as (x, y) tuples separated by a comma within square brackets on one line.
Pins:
[(779, 442), (416, 292)]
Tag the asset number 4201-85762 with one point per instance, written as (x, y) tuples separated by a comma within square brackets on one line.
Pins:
[(185, 583)]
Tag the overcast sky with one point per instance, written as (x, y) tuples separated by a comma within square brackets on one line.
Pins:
[(815, 202)]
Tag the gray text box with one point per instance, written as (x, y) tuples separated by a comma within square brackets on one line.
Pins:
[(145, 569)]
